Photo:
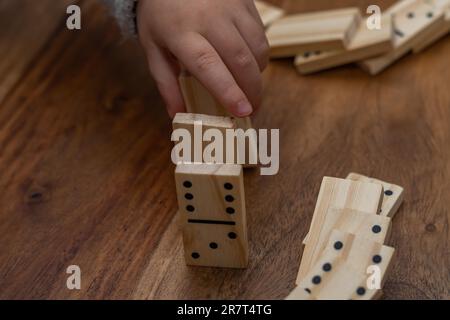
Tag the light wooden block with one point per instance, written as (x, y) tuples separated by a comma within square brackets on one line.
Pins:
[(411, 23), (337, 193), (435, 35), (365, 44), (325, 30), (331, 256), (392, 198), (337, 199), (197, 125), (373, 227), (198, 100), (269, 13), (211, 202), (370, 226), (341, 270)]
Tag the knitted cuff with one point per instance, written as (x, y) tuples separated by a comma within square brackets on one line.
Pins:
[(125, 13)]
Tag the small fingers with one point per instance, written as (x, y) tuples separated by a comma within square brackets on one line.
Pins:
[(203, 61), (240, 60), (165, 73), (253, 34)]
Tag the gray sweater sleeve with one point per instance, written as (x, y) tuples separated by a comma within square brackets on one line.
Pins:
[(125, 13)]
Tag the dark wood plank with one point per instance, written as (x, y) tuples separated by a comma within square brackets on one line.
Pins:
[(86, 177), (25, 29)]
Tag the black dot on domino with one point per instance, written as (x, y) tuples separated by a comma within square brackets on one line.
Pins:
[(232, 235), (187, 184), (228, 186), (190, 208), (411, 15), (213, 245), (316, 279), (307, 54), (360, 291), (189, 196), (326, 267), (230, 210), (229, 198), (195, 255), (376, 229), (430, 14), (338, 245), (389, 192), (376, 258)]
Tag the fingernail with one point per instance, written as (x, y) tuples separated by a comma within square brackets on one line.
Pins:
[(244, 108)]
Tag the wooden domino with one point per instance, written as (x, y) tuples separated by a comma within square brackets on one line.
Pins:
[(199, 101), (330, 257), (341, 270), (197, 124), (392, 197), (371, 226), (326, 30), (412, 22), (435, 35), (337, 193), (365, 44), (334, 193), (211, 202), (268, 13)]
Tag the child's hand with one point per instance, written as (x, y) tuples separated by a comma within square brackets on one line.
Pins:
[(221, 42)]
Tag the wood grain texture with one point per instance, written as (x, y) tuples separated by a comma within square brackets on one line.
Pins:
[(86, 177)]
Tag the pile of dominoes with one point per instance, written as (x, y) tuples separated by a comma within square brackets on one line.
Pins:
[(345, 254), (327, 39)]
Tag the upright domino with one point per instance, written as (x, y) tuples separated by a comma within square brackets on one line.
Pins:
[(268, 12), (412, 22), (211, 204), (325, 30), (337, 193), (332, 256), (200, 124), (392, 197), (365, 44)]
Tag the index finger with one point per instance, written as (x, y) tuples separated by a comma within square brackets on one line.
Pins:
[(201, 60)]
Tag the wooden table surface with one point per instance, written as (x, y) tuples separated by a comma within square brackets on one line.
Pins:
[(86, 177)]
